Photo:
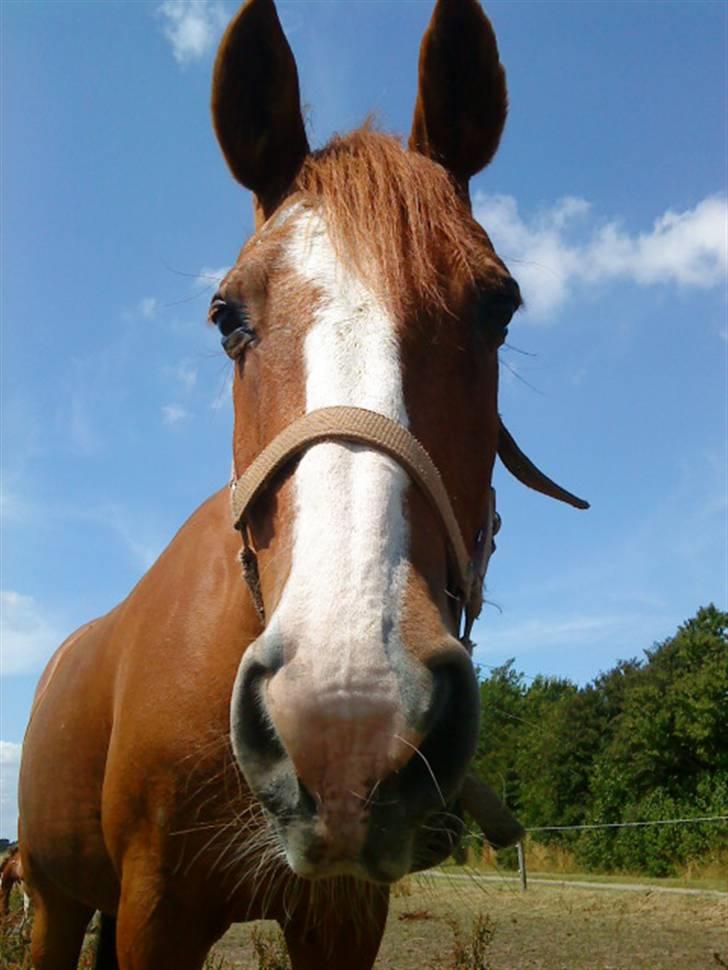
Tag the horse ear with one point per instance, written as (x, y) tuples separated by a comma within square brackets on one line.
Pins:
[(462, 100), (256, 106)]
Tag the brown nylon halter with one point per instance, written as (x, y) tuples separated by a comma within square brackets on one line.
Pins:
[(360, 426)]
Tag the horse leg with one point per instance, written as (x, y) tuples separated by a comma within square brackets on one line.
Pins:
[(153, 932), (6, 887), (59, 925), (338, 940)]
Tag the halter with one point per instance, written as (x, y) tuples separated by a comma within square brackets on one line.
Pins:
[(361, 426)]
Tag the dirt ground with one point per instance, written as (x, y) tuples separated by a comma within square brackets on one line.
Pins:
[(546, 928)]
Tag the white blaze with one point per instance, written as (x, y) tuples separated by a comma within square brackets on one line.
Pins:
[(339, 612)]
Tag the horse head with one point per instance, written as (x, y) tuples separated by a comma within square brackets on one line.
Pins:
[(367, 296)]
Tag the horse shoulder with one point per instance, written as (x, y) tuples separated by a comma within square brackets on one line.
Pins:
[(121, 692), (181, 634), (62, 770), (191, 613)]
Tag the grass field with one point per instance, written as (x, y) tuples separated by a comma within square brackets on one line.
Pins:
[(431, 927), (546, 928)]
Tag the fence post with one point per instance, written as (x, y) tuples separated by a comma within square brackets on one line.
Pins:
[(522, 866)]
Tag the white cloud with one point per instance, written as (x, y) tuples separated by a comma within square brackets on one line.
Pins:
[(213, 274), (139, 536), (172, 414), (82, 432), (13, 507), (552, 631), (562, 247), (192, 27), (9, 767), (223, 398), (186, 375), (140, 540), (27, 637), (148, 307)]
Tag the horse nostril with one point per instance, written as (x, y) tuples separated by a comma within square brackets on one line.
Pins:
[(256, 744), (252, 729), (435, 775)]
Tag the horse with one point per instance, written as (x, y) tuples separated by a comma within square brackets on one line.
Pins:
[(11, 875), (278, 720)]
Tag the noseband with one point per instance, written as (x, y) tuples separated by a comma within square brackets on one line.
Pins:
[(360, 426)]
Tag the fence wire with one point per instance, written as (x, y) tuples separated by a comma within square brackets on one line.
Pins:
[(626, 825)]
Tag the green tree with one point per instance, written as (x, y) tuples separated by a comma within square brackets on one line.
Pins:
[(501, 717), (556, 749), (644, 741), (666, 755)]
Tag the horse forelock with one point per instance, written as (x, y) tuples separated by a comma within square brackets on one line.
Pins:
[(395, 218)]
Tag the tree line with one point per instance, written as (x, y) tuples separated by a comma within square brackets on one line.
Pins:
[(646, 740)]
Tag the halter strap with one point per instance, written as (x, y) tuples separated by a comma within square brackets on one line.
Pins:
[(522, 468), (360, 426)]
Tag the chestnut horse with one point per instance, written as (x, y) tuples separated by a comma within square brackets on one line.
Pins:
[(288, 742), (11, 875)]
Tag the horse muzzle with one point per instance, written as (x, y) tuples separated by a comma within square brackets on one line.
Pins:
[(357, 778)]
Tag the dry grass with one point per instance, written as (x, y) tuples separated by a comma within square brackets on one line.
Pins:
[(14, 943), (713, 869), (14, 953), (270, 949), (470, 948), (454, 924), (440, 922), (539, 858)]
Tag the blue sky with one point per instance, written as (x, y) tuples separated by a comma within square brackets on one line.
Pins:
[(607, 199)]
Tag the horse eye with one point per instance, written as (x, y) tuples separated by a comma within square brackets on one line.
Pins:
[(499, 313), (498, 308), (233, 323)]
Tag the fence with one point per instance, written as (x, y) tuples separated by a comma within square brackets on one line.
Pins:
[(523, 875)]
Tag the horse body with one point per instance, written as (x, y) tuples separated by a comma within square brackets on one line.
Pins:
[(212, 751)]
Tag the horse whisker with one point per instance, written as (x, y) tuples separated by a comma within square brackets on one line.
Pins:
[(427, 765)]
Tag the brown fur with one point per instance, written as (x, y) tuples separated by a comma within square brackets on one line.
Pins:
[(11, 875), (380, 201), (255, 105), (462, 101)]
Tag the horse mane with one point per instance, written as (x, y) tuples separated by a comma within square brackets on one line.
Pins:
[(381, 201)]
